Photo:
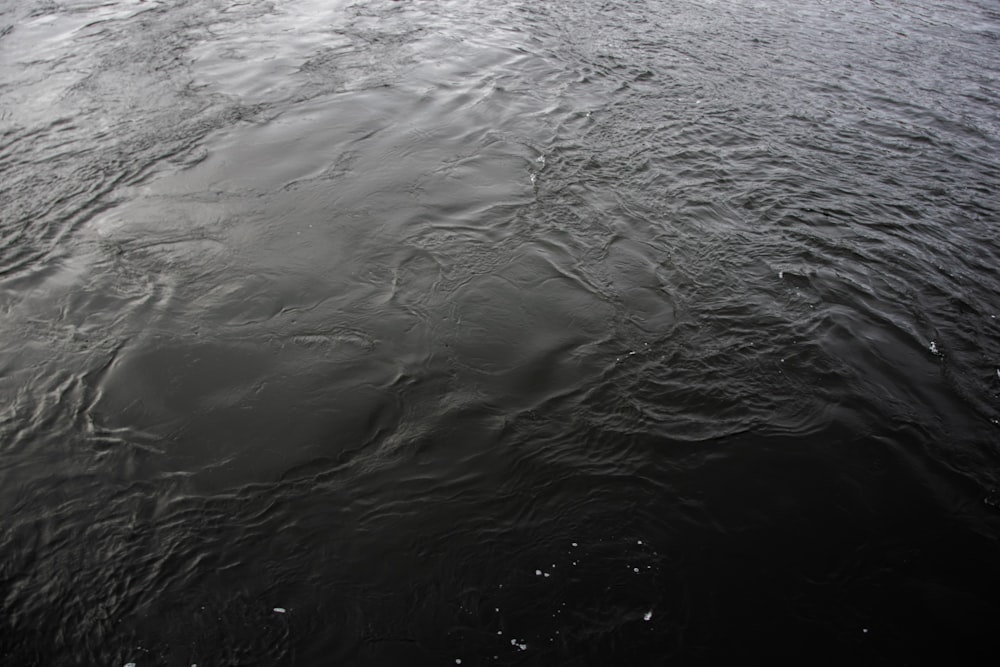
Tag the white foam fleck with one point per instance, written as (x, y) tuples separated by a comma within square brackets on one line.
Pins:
[(280, 610), (648, 615), (538, 573), (933, 348)]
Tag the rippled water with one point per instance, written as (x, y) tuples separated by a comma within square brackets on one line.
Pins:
[(541, 333)]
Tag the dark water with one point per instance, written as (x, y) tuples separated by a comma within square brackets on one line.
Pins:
[(518, 333)]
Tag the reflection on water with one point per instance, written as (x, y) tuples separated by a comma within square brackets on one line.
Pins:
[(384, 333)]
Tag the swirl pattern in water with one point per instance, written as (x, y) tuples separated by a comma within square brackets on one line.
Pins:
[(430, 332)]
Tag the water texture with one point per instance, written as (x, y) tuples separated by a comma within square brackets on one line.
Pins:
[(519, 333)]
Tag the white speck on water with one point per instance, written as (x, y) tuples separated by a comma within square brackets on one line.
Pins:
[(648, 615), (458, 661), (280, 610), (575, 544), (781, 275), (639, 542), (534, 178), (538, 573), (129, 664), (499, 632), (933, 348), (636, 570), (865, 630)]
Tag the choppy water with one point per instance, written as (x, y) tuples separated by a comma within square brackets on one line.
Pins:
[(539, 333)]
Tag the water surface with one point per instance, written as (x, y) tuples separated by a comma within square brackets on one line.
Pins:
[(583, 333)]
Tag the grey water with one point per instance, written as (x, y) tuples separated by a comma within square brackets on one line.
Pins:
[(433, 332)]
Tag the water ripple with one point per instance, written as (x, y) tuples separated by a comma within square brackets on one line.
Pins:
[(561, 333)]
